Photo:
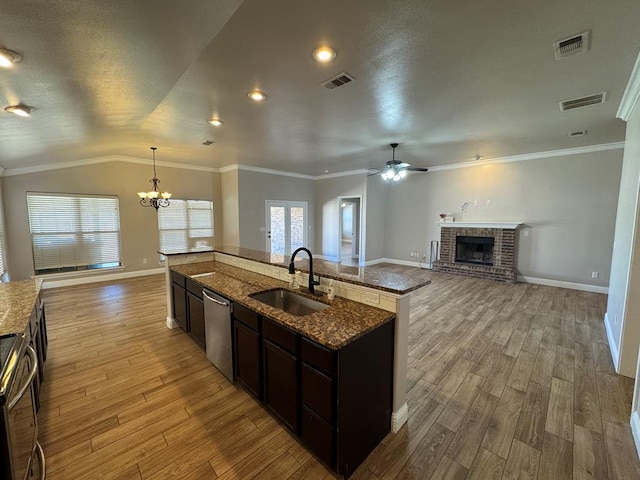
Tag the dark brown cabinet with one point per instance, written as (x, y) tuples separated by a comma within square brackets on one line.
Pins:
[(179, 297), (281, 384), (338, 402), (195, 311), (246, 351)]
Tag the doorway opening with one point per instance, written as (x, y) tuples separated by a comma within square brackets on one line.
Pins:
[(349, 231)]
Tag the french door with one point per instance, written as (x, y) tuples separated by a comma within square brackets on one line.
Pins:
[(286, 226)]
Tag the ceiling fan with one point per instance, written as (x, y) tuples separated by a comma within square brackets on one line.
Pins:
[(395, 169)]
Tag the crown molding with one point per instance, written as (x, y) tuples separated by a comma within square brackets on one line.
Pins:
[(93, 161), (631, 93), (532, 156), (229, 168), (348, 173), (270, 171)]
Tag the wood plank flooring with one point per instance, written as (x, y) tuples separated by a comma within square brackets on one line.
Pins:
[(505, 381)]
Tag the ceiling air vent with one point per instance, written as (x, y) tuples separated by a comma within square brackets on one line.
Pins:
[(583, 101), (208, 142), (577, 133), (571, 46), (337, 81)]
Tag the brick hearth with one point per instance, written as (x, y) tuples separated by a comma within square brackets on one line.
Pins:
[(503, 268)]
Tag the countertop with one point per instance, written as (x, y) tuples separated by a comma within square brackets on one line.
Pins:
[(17, 300), (334, 327), (387, 277)]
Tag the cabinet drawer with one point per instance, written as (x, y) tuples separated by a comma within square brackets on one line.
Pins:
[(317, 356), (281, 336), (177, 278), (317, 393), (317, 435), (246, 316), (194, 288)]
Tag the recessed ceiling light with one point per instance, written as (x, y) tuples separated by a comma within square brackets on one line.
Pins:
[(476, 157), (21, 110), (257, 95), (324, 54), (8, 58), (216, 122)]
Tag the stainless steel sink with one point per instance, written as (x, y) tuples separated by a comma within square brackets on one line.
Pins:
[(289, 302)]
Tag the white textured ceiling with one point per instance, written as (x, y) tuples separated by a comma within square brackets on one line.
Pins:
[(445, 79)]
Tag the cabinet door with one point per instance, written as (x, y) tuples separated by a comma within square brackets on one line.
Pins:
[(281, 384), (247, 357), (196, 318), (179, 306)]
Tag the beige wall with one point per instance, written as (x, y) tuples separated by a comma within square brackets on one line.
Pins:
[(567, 203), (230, 212), (255, 188), (138, 225)]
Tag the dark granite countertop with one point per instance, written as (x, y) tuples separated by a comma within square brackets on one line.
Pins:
[(334, 327), (390, 278), (17, 300), (186, 251)]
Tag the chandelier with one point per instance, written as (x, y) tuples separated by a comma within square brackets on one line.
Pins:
[(154, 198)]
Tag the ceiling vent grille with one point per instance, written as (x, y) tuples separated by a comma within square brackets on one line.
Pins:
[(594, 99), (577, 133), (208, 142), (337, 81), (571, 46)]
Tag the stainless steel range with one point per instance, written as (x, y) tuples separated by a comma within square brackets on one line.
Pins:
[(21, 455)]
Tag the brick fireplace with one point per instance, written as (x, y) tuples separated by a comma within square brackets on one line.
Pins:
[(481, 250)]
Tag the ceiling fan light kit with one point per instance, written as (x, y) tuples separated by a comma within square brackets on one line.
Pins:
[(20, 110), (8, 57), (396, 170)]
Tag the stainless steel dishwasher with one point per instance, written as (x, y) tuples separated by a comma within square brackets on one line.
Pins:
[(217, 327)]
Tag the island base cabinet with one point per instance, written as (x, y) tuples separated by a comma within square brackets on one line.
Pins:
[(246, 346), (195, 307), (281, 384), (179, 297), (318, 436)]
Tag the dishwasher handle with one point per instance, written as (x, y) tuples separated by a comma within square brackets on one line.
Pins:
[(214, 300)]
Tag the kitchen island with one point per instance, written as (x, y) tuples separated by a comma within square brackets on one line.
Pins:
[(377, 286)]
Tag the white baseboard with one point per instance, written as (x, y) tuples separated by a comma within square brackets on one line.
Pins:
[(559, 283), (635, 430), (613, 343), (399, 418), (104, 277), (326, 257), (408, 263), (171, 323)]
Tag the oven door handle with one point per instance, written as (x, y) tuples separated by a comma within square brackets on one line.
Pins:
[(32, 373)]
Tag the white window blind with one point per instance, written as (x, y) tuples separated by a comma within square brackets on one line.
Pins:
[(186, 225), (73, 232)]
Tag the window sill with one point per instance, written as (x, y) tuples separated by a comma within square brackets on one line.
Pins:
[(83, 273)]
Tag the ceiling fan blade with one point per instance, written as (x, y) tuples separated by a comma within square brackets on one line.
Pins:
[(417, 169)]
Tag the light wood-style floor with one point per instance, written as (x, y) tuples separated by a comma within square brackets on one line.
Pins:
[(506, 381)]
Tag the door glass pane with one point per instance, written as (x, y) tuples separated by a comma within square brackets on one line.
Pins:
[(297, 227), (278, 231)]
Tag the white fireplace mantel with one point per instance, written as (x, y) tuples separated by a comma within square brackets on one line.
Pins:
[(502, 225)]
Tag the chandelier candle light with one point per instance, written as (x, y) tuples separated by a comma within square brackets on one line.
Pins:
[(150, 198)]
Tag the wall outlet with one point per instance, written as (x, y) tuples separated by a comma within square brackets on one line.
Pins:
[(595, 274), (525, 233), (488, 203), (144, 261), (475, 203)]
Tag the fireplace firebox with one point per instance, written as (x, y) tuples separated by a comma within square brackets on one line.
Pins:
[(475, 250)]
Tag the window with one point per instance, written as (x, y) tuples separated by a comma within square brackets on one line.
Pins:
[(186, 225), (286, 226), (73, 232)]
